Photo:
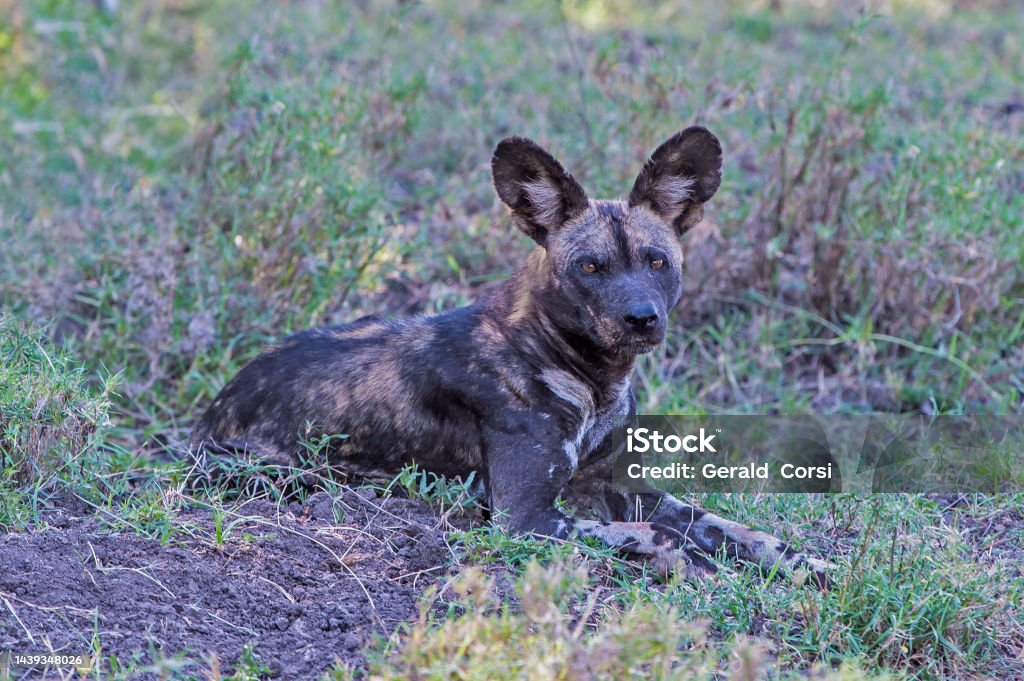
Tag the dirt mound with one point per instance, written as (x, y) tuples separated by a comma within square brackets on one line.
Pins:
[(303, 584)]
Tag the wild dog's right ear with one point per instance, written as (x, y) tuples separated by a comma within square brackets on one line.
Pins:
[(681, 175), (537, 189)]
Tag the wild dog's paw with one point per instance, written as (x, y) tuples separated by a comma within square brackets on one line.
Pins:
[(678, 554), (803, 569), (813, 570)]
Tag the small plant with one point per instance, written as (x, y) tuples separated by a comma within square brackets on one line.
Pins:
[(317, 447), (217, 516), (250, 667), (449, 495)]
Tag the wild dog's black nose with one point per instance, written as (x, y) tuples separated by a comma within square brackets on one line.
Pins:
[(641, 316)]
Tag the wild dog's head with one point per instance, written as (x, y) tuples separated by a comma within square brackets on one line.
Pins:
[(612, 270)]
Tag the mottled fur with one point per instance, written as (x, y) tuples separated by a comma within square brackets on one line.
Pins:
[(524, 387)]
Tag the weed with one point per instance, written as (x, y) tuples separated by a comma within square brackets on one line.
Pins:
[(250, 667), (450, 496)]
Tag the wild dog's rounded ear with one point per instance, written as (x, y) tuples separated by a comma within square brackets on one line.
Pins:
[(681, 175), (537, 189)]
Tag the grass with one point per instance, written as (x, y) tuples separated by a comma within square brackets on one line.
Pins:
[(912, 593), (52, 422), (185, 181), (549, 638)]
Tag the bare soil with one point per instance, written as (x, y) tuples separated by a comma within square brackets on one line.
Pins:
[(305, 585)]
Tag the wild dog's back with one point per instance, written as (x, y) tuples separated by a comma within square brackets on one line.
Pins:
[(384, 384)]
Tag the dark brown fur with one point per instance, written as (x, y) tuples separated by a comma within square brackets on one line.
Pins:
[(524, 387)]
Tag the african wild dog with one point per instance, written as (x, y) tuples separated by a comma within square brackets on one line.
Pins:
[(522, 387)]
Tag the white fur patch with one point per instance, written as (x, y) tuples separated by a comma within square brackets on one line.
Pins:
[(672, 191), (547, 202), (567, 387), (572, 447)]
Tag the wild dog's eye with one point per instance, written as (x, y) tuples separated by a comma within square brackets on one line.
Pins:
[(588, 266), (657, 263)]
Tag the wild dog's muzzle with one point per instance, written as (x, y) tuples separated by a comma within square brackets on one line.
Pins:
[(644, 326)]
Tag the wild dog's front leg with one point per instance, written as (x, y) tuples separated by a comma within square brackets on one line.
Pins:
[(525, 472), (712, 533), (525, 479)]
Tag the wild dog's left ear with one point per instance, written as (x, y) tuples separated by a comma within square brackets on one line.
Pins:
[(681, 175), (541, 194)]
